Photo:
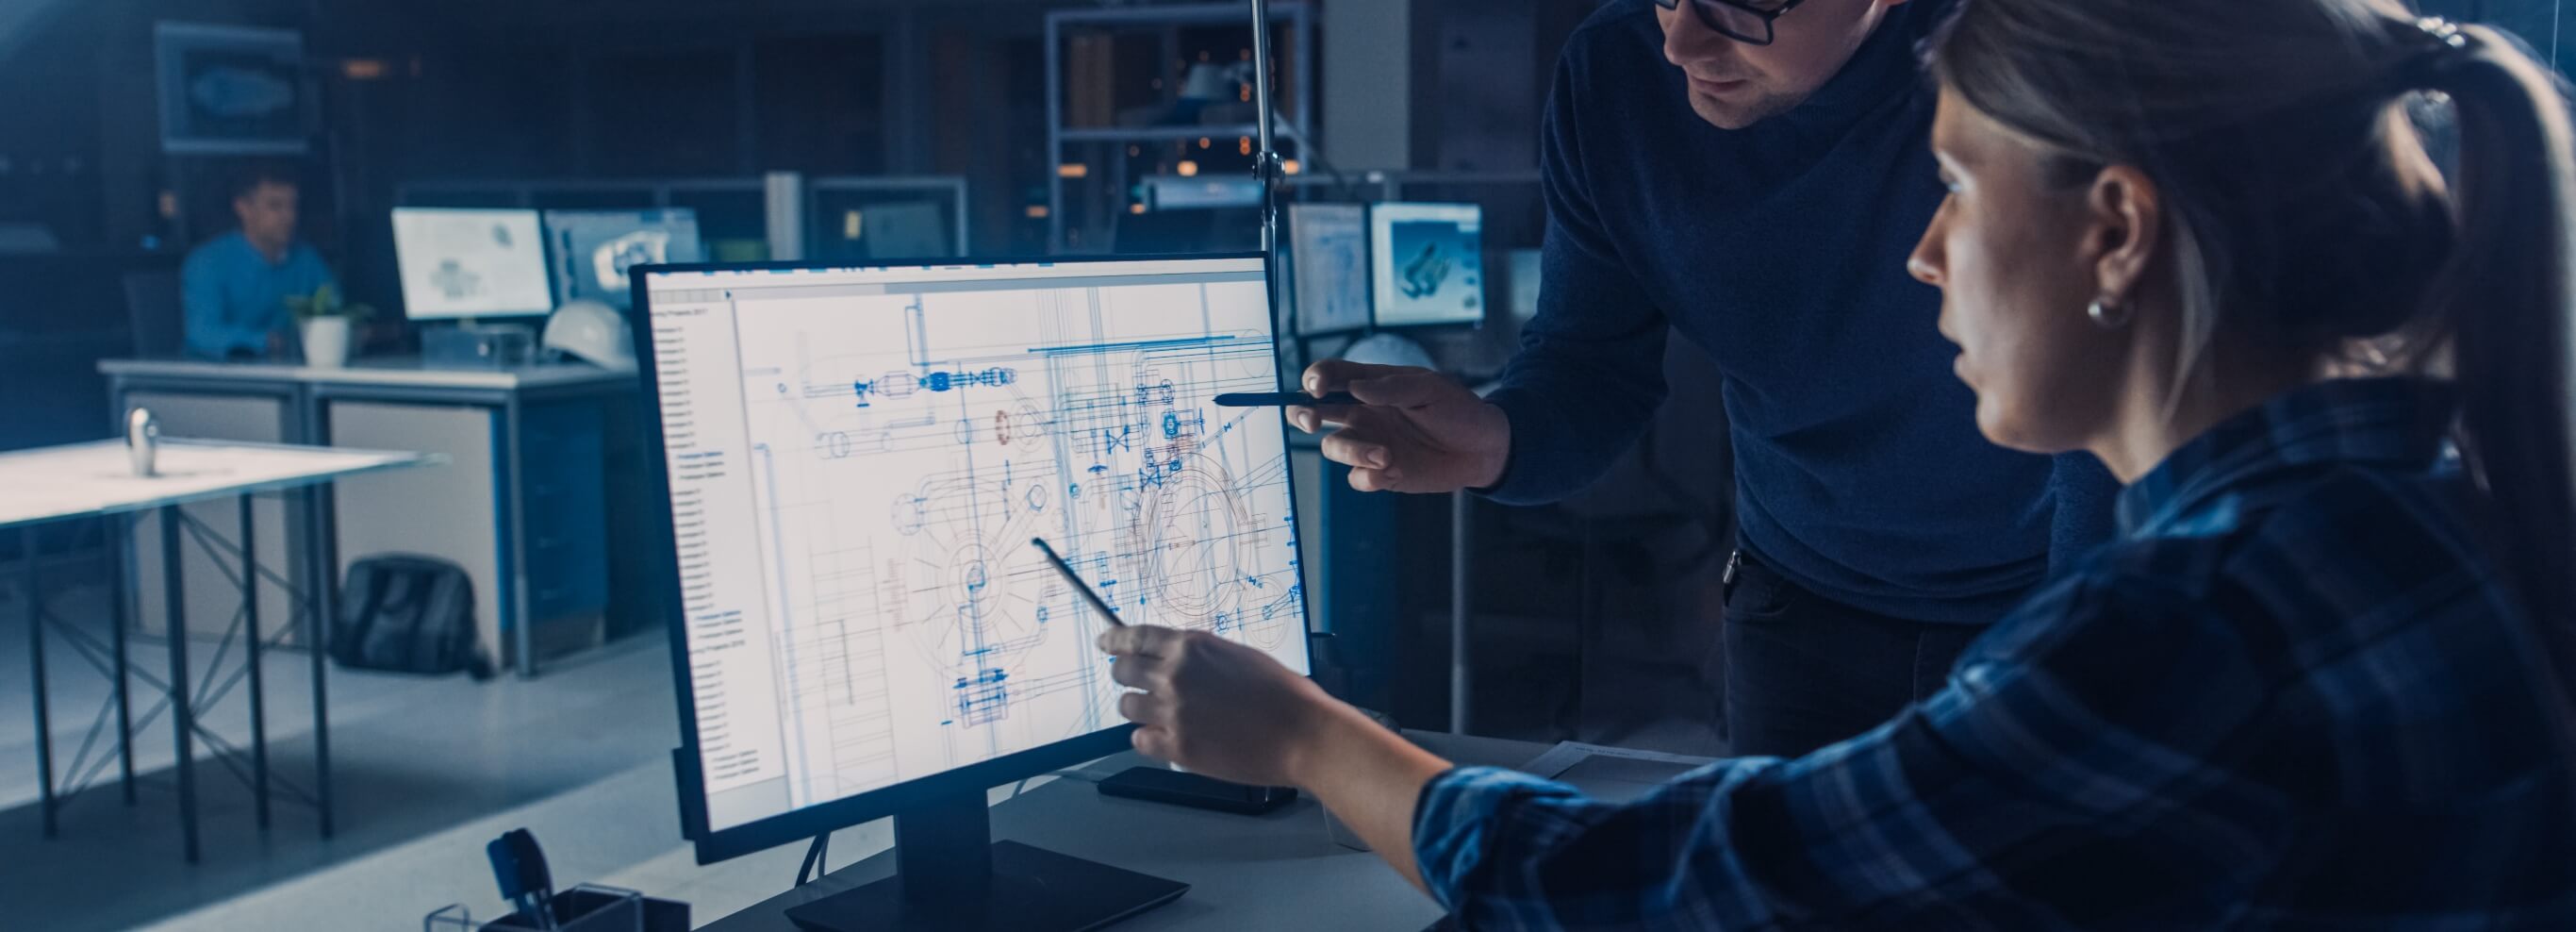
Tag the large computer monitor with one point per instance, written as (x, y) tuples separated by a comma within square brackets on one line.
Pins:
[(856, 460), (1427, 264), (471, 263), (595, 251), (1328, 250)]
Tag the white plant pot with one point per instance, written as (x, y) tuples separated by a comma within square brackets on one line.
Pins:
[(326, 342)]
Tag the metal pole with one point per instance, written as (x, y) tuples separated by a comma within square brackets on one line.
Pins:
[(1267, 166), (182, 717), (1461, 576), (258, 689), (36, 657)]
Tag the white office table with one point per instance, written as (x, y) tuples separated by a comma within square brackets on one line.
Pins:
[(1279, 871), (89, 480)]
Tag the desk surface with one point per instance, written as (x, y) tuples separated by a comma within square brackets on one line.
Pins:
[(96, 478), (406, 371), (1276, 871)]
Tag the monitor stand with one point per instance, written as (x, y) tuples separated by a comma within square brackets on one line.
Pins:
[(950, 876)]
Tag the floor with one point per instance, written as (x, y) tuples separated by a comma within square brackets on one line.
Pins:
[(427, 770)]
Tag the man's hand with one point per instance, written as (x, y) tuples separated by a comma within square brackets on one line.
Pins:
[(1214, 706), (1416, 430)]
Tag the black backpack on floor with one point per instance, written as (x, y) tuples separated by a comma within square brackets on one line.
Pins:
[(407, 614)]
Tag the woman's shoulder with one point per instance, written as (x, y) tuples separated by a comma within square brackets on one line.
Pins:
[(2338, 552)]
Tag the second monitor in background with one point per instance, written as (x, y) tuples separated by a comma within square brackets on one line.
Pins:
[(594, 249), (1328, 253), (465, 264), (1427, 264)]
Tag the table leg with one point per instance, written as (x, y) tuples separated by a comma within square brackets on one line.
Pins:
[(518, 608), (34, 594), (326, 602), (258, 689), (119, 573), (182, 717)]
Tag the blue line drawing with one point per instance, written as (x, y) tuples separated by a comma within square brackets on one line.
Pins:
[(927, 632)]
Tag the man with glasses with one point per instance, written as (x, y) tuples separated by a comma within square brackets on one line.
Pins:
[(1752, 175)]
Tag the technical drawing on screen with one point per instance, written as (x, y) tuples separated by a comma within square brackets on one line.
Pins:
[(858, 459)]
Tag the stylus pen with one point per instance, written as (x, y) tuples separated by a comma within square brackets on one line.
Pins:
[(1078, 585), (1282, 399)]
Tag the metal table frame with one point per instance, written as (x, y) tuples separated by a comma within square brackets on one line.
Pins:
[(184, 706)]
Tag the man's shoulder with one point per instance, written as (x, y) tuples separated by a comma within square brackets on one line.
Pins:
[(303, 255), (1620, 31), (226, 248)]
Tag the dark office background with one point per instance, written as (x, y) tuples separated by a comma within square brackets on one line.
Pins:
[(537, 89)]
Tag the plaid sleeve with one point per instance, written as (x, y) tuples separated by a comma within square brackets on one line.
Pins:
[(2064, 777)]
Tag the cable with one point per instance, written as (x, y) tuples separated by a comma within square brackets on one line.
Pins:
[(813, 856)]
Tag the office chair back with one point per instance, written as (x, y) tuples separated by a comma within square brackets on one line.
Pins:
[(154, 312)]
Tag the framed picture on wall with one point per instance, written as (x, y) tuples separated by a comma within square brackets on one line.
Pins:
[(232, 90)]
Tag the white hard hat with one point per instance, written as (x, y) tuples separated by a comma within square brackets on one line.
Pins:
[(593, 331)]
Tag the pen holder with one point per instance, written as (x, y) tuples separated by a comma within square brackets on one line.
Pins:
[(585, 908)]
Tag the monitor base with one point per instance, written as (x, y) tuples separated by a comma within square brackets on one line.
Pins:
[(1032, 890)]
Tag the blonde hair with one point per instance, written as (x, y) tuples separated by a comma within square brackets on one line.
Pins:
[(2306, 215)]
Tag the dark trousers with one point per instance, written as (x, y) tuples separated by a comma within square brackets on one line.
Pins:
[(1803, 672)]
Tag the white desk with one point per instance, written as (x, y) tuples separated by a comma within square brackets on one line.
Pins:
[(96, 480), (525, 513), (1278, 871)]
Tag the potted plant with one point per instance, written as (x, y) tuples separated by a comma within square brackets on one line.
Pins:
[(326, 322)]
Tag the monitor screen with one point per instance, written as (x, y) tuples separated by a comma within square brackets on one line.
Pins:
[(1171, 192), (905, 230), (594, 250), (1427, 264), (1328, 246), (857, 459), (471, 263)]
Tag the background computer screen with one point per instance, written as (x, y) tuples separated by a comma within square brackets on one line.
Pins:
[(857, 459), (471, 263), (1427, 263), (593, 250), (1328, 245)]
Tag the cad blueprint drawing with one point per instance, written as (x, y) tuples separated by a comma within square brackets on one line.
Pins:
[(906, 447)]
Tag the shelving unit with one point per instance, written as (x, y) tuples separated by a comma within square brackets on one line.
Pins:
[(1133, 66)]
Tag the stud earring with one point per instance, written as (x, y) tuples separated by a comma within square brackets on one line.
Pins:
[(2108, 314)]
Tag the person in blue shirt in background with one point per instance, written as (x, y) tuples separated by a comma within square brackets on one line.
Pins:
[(235, 287), (2325, 678), (1749, 175)]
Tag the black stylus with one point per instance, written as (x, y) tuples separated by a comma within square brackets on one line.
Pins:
[(1282, 399), (1078, 584)]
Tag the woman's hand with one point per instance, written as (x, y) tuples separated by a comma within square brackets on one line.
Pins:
[(1214, 706), (1229, 711)]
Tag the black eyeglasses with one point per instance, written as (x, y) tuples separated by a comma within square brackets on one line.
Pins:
[(1746, 21)]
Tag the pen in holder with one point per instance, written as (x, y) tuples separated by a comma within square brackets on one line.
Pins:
[(142, 441)]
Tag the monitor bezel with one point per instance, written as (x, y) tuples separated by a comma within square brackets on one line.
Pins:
[(1377, 311), (545, 259), (713, 845)]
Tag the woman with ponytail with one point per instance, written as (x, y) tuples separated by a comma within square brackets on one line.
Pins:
[(2322, 680)]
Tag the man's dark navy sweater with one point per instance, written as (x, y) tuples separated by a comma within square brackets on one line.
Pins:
[(1780, 249)]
